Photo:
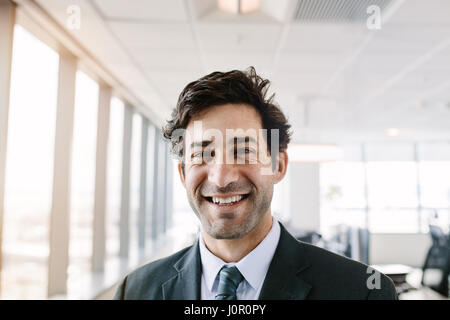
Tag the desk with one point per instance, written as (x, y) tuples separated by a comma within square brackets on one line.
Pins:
[(421, 293), (409, 278)]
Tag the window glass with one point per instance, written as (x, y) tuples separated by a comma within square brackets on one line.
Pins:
[(82, 178), (392, 184), (392, 197), (395, 220), (184, 220), (435, 193), (114, 182), (135, 178), (161, 218), (279, 200), (435, 184), (342, 195), (150, 186), (29, 168), (342, 184)]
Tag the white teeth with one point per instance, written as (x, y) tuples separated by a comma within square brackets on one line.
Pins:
[(227, 200)]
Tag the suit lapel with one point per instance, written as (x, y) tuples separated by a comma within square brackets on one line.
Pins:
[(283, 280), (186, 284)]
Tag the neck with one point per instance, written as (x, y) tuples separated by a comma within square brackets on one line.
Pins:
[(234, 250)]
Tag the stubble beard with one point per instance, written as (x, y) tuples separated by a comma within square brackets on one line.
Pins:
[(223, 230)]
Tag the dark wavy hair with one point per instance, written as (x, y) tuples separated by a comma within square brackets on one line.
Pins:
[(219, 88)]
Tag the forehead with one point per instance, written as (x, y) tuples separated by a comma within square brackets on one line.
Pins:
[(228, 116)]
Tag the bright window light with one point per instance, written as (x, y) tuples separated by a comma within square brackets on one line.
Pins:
[(135, 180), (29, 168), (114, 185), (314, 153), (83, 179)]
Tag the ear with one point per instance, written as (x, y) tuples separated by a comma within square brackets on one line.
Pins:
[(181, 173), (282, 166)]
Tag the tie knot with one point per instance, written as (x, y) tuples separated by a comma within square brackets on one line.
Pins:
[(229, 279)]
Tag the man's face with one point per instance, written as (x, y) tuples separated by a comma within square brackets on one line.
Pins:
[(224, 170)]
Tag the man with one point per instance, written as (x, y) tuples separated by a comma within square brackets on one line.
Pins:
[(231, 141)]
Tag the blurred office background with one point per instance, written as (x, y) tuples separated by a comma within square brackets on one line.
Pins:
[(88, 191)]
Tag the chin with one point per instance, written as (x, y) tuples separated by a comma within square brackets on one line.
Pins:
[(228, 229), (225, 234)]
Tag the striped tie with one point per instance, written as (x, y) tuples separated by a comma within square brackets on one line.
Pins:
[(229, 279)]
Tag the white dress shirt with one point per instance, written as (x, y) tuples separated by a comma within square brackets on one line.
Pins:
[(253, 267)]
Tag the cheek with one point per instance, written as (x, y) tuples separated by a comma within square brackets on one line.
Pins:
[(262, 176), (194, 177), (253, 174)]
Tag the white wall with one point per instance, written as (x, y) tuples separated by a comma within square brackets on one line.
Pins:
[(396, 248), (304, 195)]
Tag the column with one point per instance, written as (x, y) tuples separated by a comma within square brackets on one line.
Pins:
[(156, 174), (161, 185), (7, 18), (59, 216), (125, 197), (169, 189), (101, 170), (143, 185), (304, 190)]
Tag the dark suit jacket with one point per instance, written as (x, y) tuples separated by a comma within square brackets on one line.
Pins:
[(297, 271)]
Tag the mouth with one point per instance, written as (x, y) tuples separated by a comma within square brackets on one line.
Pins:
[(227, 201)]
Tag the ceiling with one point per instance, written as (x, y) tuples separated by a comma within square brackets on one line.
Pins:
[(336, 79)]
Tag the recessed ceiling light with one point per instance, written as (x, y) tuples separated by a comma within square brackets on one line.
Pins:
[(238, 6), (393, 132)]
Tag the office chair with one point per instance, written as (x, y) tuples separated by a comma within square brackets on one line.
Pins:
[(438, 257)]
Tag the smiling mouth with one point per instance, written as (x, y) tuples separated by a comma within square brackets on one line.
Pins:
[(227, 201)]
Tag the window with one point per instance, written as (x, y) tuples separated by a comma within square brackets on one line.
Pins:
[(402, 195), (342, 186), (279, 200), (114, 178), (434, 179), (393, 199), (185, 222), (394, 220), (30, 157), (29, 168), (82, 177), (392, 184), (135, 178), (150, 186), (435, 184), (161, 218)]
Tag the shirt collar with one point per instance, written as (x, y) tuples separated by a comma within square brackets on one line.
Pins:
[(253, 266)]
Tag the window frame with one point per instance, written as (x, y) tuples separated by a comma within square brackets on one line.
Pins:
[(36, 21), (419, 208)]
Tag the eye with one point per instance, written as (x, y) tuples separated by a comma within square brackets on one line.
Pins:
[(197, 155), (203, 156), (209, 155), (244, 151)]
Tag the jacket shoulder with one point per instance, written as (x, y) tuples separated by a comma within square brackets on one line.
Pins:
[(145, 282), (337, 277)]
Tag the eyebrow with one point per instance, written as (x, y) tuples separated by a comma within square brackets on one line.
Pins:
[(202, 144), (233, 140), (245, 139)]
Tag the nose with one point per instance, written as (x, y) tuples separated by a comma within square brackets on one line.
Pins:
[(222, 174)]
